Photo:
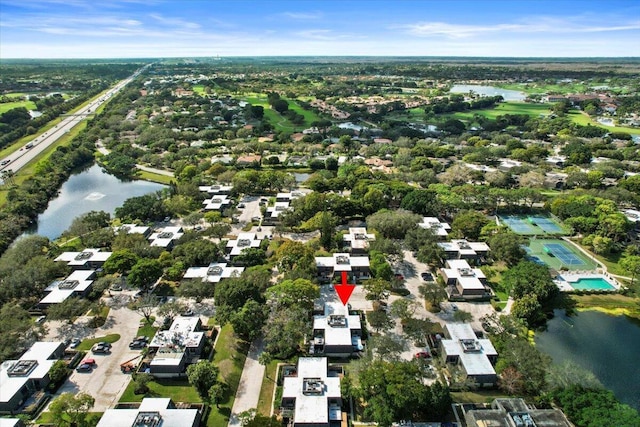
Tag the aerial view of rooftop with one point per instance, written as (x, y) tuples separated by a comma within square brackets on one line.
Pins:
[(263, 213)]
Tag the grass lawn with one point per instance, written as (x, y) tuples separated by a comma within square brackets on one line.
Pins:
[(563, 88), (30, 169), (501, 109), (177, 390), (266, 391), (88, 343), (309, 116), (582, 119), (229, 356), (6, 106), (154, 177), (479, 396), (199, 89), (104, 311), (47, 418), (147, 329), (279, 122)]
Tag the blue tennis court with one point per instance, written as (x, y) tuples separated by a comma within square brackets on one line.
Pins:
[(518, 224), (565, 255), (547, 225)]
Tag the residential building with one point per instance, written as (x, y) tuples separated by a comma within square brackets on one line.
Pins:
[(463, 281), (440, 229), (213, 273), (462, 249), (336, 333), (356, 266), (176, 347), (166, 237), (289, 197), (216, 190), (311, 394), (216, 203), (510, 412), (77, 284), (476, 357), (152, 412), (11, 422), (86, 260), (273, 213), (244, 241), (20, 379), (133, 228), (633, 216), (358, 240)]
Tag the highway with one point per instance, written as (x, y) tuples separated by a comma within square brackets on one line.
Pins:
[(29, 151)]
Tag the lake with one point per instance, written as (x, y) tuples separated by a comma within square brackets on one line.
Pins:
[(507, 94), (90, 190), (608, 346)]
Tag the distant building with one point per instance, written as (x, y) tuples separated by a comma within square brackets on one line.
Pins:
[(462, 249), (77, 284), (513, 412), (633, 216), (311, 394), (166, 237), (216, 189), (356, 266), (440, 229), (216, 203), (213, 273), (20, 379), (176, 347), (133, 229), (152, 412), (272, 215), (463, 281), (358, 240), (242, 242), (475, 356), (336, 333), (85, 260), (289, 197)]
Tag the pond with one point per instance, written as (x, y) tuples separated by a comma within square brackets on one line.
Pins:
[(608, 346), (507, 94), (90, 190)]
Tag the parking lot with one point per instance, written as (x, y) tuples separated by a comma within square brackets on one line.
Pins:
[(106, 382)]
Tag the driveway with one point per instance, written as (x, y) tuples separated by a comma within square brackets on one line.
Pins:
[(248, 393), (106, 382), (251, 209)]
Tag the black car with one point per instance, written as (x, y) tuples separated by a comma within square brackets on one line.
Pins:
[(137, 344), (427, 277), (84, 367), (100, 349)]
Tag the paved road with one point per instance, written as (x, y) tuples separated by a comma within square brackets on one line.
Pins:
[(248, 393), (106, 382), (20, 158)]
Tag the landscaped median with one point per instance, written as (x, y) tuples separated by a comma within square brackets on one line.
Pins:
[(86, 345)]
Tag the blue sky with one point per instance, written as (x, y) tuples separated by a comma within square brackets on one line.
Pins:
[(186, 28)]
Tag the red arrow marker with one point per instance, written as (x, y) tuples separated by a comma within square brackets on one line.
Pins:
[(344, 289)]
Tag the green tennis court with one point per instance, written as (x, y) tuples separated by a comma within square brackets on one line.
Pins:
[(558, 254), (532, 225)]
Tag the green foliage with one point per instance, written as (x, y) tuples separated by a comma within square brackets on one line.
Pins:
[(16, 330), (422, 202), (250, 257), (285, 330), (120, 261), (293, 293), (526, 360), (380, 268), (58, 371), (468, 225), (587, 407), (149, 207), (203, 375), (395, 391), (71, 410), (377, 289), (393, 224), (232, 294), (249, 320), (507, 246), (196, 252), (68, 309), (144, 273), (379, 320), (196, 289)]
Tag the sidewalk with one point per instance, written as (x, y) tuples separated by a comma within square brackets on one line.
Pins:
[(248, 392)]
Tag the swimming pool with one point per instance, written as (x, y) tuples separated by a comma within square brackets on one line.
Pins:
[(592, 284)]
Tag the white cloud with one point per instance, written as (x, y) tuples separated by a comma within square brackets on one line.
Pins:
[(532, 25), (303, 15)]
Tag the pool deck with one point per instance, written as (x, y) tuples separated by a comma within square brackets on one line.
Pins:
[(564, 280)]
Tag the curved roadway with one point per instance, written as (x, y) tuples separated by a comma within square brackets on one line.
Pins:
[(21, 157)]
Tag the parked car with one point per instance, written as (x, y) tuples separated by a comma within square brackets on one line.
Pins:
[(41, 319), (188, 312), (422, 355), (241, 205), (84, 367), (5, 162), (89, 361), (116, 287), (399, 276), (100, 349), (105, 344), (427, 277), (75, 343), (454, 307), (137, 344)]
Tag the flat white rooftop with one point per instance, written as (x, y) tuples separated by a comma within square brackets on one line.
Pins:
[(438, 228), (243, 241), (78, 259), (213, 273), (337, 335), (165, 236), (151, 410), (473, 352), (77, 282), (358, 238), (342, 262), (132, 228)]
